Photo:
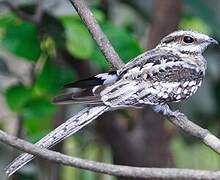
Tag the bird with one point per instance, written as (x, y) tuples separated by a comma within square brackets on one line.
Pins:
[(170, 72)]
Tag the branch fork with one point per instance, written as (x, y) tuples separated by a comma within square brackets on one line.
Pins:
[(112, 57)]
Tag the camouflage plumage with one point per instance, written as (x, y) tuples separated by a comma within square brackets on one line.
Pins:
[(171, 72)]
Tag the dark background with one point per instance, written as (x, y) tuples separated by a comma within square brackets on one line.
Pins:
[(38, 57)]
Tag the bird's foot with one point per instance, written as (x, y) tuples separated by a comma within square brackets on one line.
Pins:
[(166, 111)]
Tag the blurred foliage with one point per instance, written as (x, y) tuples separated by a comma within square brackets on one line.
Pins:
[(39, 45), (86, 49), (195, 156), (16, 96), (19, 37), (198, 24), (126, 42), (55, 75), (79, 42)]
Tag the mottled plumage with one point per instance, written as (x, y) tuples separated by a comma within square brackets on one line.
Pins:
[(171, 72)]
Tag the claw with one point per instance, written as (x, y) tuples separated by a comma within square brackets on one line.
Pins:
[(166, 111)]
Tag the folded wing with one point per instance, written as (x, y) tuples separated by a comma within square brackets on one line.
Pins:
[(89, 89)]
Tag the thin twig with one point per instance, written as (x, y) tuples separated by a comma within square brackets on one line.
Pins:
[(34, 19), (97, 34), (182, 122), (38, 11), (115, 170)]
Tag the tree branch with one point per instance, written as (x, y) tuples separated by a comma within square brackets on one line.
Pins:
[(34, 19), (97, 34), (181, 122), (164, 20), (38, 11), (115, 170), (193, 129)]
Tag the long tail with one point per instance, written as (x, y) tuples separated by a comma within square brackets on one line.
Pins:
[(66, 129)]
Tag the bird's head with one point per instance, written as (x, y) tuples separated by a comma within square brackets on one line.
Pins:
[(188, 42)]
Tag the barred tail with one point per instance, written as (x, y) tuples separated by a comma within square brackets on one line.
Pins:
[(66, 129)]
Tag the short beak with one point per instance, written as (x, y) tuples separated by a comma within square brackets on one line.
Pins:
[(213, 41)]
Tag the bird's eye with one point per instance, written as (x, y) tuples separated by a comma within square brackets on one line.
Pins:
[(188, 39)]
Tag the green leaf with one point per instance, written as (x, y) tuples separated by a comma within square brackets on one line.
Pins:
[(195, 23), (19, 37), (53, 27), (37, 115), (123, 42), (38, 108), (99, 15), (78, 40), (53, 77), (16, 96), (205, 11)]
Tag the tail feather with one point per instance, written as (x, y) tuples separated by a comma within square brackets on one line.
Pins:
[(85, 97), (68, 128), (89, 89), (69, 99)]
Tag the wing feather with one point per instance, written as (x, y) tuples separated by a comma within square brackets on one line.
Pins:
[(84, 97), (100, 79)]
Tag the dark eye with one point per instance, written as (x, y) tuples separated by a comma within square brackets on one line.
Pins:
[(188, 39)]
